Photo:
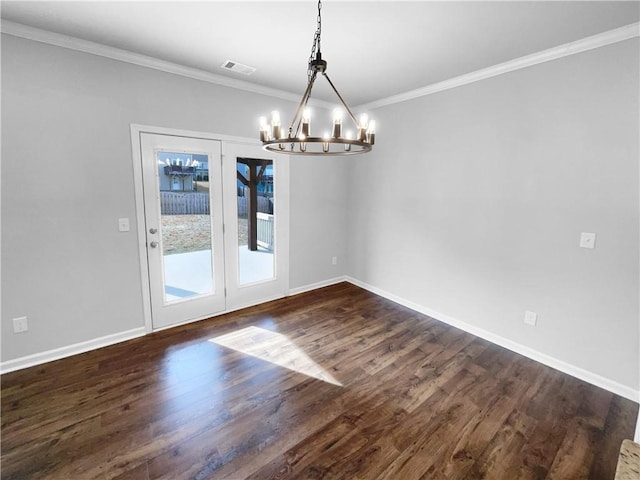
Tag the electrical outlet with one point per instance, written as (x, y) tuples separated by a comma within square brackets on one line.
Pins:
[(20, 325), (334, 260), (588, 240), (123, 224), (530, 318)]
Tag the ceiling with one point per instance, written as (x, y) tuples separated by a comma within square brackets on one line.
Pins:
[(374, 49)]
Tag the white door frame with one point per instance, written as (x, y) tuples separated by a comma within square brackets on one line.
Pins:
[(136, 153)]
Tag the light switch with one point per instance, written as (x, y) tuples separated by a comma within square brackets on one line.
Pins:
[(123, 224), (530, 318), (588, 240), (20, 325)]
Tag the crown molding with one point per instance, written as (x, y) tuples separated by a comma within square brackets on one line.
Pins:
[(93, 48), (588, 43), (64, 41)]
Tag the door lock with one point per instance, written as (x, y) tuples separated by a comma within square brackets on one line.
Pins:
[(153, 230), (153, 244)]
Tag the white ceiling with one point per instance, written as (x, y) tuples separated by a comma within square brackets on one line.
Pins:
[(374, 49)]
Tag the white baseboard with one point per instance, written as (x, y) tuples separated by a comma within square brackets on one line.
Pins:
[(315, 286), (528, 352), (58, 353), (254, 303)]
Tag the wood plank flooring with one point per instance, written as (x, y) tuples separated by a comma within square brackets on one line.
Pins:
[(337, 383)]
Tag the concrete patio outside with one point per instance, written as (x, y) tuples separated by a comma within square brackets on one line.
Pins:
[(189, 274)]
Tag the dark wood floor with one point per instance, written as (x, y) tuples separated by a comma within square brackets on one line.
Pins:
[(386, 393)]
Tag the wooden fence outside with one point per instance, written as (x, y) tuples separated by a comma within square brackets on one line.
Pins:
[(264, 205), (175, 203), (191, 203)]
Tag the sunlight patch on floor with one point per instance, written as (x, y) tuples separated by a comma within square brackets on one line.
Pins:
[(275, 348)]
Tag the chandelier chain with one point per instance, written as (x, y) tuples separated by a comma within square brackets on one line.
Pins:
[(316, 40)]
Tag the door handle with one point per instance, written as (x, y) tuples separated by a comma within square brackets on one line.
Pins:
[(153, 230), (153, 244)]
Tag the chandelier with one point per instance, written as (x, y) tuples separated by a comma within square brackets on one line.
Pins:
[(299, 140)]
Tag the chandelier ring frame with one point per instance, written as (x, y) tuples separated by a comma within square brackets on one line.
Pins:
[(276, 144)]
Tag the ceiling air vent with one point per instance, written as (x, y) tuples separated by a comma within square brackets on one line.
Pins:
[(238, 67)]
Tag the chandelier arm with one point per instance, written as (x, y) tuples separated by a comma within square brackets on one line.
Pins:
[(353, 117), (302, 104)]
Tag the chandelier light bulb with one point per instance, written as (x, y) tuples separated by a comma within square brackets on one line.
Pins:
[(264, 129), (337, 122), (275, 118), (362, 127), (372, 126), (275, 124), (306, 121), (371, 132), (349, 136)]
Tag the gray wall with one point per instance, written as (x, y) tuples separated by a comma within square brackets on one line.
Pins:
[(317, 207), (473, 202), (67, 177)]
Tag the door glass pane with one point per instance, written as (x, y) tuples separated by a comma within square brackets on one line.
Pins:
[(185, 225), (256, 233)]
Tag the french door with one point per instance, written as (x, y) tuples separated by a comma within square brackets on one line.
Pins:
[(256, 211), (215, 218), (184, 227)]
